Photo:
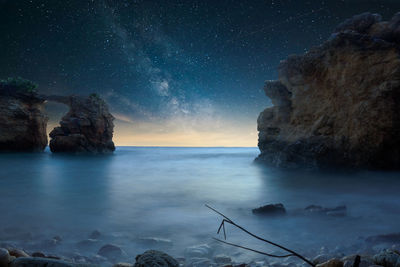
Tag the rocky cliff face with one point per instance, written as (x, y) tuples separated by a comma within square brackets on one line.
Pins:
[(87, 127), (22, 119), (338, 104)]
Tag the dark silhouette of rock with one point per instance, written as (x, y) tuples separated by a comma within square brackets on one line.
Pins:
[(154, 258), (270, 210), (22, 118), (87, 127), (339, 103)]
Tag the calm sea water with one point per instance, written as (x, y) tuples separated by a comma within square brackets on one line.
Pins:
[(143, 192)]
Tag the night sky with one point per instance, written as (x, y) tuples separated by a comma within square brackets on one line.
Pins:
[(178, 73)]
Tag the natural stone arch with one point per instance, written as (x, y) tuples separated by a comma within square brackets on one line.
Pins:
[(86, 127)]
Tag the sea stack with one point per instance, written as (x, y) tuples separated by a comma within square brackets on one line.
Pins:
[(339, 103), (22, 118), (86, 128)]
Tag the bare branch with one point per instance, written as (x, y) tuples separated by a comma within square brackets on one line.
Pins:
[(228, 220)]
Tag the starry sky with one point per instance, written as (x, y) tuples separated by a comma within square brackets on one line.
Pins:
[(176, 72)]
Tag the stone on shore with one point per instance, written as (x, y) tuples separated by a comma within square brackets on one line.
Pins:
[(4, 257), (154, 258)]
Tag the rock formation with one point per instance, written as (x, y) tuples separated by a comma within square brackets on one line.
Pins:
[(87, 127), (22, 118), (339, 103)]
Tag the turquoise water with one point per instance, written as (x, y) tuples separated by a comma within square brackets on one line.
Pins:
[(143, 192)]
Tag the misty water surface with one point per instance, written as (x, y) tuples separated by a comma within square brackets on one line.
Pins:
[(160, 192)]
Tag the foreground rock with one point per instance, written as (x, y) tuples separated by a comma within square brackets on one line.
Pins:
[(87, 127), (154, 258), (338, 104), (44, 262), (270, 210), (22, 118)]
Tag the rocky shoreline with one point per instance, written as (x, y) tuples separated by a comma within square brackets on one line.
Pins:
[(196, 256)]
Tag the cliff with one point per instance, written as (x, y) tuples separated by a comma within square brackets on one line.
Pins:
[(339, 103), (22, 118), (87, 127)]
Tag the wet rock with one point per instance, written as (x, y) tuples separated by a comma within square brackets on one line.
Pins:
[(339, 211), (17, 253), (320, 259), (222, 259), (87, 127), (123, 264), (95, 235), (4, 257), (43, 262), (328, 113), (387, 258), (38, 254), (271, 209), (154, 258), (200, 251), (111, 252), (331, 263)]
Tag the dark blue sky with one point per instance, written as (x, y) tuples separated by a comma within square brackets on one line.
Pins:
[(167, 66)]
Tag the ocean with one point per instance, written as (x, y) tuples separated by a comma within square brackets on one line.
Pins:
[(154, 198)]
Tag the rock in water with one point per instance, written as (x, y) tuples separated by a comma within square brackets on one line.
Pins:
[(270, 210), (87, 127), (339, 103), (154, 258), (22, 118)]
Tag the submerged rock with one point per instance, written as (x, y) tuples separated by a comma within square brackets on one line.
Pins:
[(22, 118), (270, 210), (154, 258), (87, 127), (339, 211), (338, 104)]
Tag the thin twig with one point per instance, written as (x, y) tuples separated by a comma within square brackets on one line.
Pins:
[(228, 220), (257, 251)]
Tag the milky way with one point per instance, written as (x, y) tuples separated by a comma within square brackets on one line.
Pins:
[(189, 71)]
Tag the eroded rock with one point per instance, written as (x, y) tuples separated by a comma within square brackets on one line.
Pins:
[(338, 104), (22, 118), (87, 127)]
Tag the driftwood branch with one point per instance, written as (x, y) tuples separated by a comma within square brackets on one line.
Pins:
[(228, 220)]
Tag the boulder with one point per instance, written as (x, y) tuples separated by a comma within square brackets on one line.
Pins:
[(387, 258), (338, 104), (4, 257), (22, 118), (17, 253), (270, 210), (86, 128), (154, 258), (331, 263), (95, 235), (44, 262), (111, 252)]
